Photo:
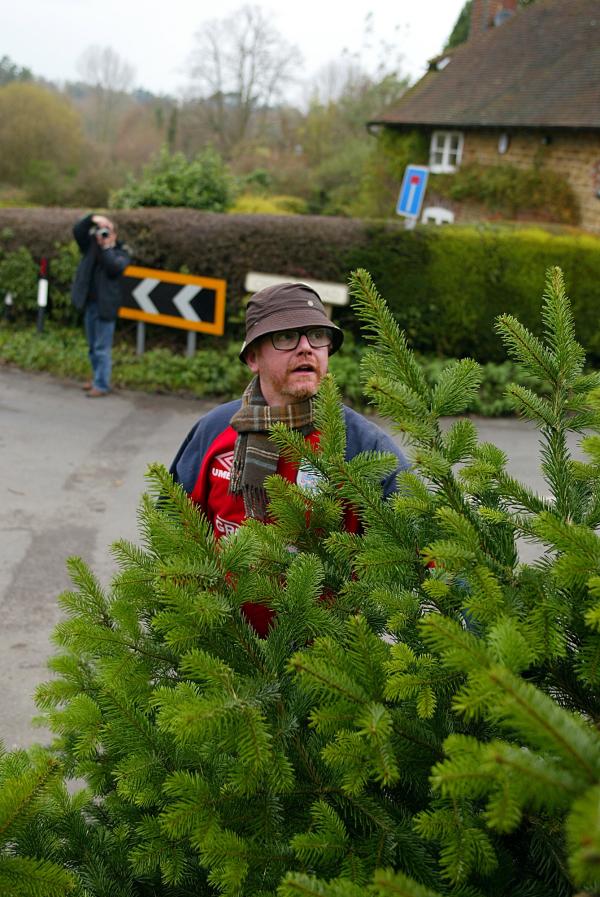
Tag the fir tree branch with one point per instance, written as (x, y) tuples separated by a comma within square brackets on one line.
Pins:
[(382, 329), (148, 734), (560, 327), (21, 794), (312, 673), (388, 883), (532, 406), (22, 876), (526, 348), (553, 723)]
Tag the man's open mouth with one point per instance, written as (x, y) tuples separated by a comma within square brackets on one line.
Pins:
[(304, 368)]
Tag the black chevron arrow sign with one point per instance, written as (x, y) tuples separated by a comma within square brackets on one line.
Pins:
[(173, 300)]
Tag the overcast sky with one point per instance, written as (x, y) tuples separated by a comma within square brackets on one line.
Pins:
[(156, 38)]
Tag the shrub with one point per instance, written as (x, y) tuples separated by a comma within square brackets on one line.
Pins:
[(512, 191), (19, 273), (384, 169), (251, 203), (260, 179), (170, 180), (19, 276), (61, 272)]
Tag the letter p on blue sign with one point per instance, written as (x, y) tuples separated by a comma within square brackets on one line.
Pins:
[(412, 191)]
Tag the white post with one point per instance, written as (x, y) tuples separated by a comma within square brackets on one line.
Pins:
[(8, 305), (42, 294)]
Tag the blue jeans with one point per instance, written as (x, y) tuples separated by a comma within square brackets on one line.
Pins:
[(99, 336)]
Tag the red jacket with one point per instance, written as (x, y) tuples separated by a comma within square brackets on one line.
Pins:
[(203, 466)]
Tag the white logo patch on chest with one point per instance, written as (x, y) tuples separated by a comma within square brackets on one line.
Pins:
[(225, 460), (222, 465), (309, 478)]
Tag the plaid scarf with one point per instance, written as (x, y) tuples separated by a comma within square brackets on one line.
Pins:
[(255, 457)]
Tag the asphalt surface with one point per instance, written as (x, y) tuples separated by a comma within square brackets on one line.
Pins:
[(71, 477)]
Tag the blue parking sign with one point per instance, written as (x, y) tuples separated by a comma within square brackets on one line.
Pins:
[(412, 191)]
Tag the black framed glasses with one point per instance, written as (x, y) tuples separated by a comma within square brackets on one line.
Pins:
[(286, 340)]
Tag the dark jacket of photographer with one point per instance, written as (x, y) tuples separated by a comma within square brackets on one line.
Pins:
[(98, 274)]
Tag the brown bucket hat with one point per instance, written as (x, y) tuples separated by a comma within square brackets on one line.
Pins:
[(286, 306)]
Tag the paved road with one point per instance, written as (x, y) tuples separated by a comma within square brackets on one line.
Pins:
[(71, 476)]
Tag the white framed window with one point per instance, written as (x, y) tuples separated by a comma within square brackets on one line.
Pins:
[(445, 151)]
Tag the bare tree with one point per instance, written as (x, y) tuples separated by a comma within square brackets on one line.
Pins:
[(240, 67), (103, 67), (336, 79), (110, 77)]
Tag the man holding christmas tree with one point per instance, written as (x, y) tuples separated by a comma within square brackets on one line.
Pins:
[(225, 459)]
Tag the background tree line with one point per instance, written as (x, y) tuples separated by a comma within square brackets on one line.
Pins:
[(235, 132), (76, 143)]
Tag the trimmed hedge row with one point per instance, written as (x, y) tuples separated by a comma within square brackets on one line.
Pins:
[(445, 285)]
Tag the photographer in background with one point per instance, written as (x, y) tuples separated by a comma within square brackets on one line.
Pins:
[(96, 291)]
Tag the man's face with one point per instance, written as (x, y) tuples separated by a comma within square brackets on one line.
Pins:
[(287, 377), (105, 241)]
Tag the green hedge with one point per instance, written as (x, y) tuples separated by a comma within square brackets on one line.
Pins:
[(445, 285)]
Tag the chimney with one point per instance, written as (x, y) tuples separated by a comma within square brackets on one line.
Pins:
[(504, 10), (489, 14), (480, 18)]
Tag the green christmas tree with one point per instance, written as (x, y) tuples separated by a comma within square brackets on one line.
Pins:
[(33, 807), (422, 718)]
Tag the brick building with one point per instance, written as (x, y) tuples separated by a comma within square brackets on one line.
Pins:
[(524, 90)]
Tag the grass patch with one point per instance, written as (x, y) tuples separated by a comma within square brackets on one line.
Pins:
[(213, 372), (63, 352)]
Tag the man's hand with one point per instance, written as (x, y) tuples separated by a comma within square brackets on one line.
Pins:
[(104, 223)]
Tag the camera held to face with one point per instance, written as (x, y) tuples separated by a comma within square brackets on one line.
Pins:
[(102, 232)]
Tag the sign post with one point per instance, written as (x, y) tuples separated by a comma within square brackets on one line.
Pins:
[(412, 193)]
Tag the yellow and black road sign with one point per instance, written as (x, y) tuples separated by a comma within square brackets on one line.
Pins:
[(174, 300)]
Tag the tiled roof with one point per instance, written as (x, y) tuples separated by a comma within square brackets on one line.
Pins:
[(541, 68)]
